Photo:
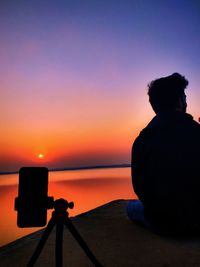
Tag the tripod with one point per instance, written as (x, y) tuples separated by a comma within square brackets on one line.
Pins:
[(60, 217)]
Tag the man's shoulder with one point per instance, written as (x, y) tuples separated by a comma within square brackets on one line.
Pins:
[(162, 124), (195, 124), (191, 126), (150, 127), (142, 137)]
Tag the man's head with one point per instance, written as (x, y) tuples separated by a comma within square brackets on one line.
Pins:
[(167, 93)]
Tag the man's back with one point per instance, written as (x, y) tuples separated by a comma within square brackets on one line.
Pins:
[(166, 172)]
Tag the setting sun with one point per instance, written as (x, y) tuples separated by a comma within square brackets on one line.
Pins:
[(40, 156)]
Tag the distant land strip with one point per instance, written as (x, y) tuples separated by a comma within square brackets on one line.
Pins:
[(78, 168)]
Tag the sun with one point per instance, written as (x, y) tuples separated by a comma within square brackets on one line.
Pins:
[(40, 156)]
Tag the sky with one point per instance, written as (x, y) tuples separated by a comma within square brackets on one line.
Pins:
[(74, 75)]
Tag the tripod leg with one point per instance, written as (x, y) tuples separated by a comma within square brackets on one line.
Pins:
[(41, 243), (81, 242), (59, 242)]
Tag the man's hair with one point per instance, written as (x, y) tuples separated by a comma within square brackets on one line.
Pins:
[(165, 92)]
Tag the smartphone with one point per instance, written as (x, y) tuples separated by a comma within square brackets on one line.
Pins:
[(31, 203)]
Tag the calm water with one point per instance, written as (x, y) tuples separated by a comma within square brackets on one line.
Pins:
[(86, 188)]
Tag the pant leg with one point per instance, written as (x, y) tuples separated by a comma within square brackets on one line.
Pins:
[(135, 212)]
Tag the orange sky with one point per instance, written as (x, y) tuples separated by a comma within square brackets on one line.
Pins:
[(95, 140)]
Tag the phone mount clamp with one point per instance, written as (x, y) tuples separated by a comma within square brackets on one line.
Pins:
[(60, 217)]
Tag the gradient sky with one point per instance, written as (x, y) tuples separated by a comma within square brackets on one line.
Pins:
[(74, 75)]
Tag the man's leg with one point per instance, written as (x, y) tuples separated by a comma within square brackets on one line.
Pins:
[(135, 212)]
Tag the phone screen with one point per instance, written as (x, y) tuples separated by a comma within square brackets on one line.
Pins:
[(32, 197)]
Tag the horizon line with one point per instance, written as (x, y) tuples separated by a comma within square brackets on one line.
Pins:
[(125, 165)]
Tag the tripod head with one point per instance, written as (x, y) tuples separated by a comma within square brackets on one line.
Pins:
[(61, 205)]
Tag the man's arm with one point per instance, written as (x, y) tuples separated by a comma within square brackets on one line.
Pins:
[(137, 167)]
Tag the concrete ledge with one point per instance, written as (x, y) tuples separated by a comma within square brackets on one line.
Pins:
[(114, 240)]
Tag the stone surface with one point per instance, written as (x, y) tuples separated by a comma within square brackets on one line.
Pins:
[(114, 240)]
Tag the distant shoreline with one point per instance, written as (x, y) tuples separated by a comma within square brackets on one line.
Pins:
[(79, 168)]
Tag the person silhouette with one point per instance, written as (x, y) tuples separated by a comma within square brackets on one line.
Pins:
[(165, 163)]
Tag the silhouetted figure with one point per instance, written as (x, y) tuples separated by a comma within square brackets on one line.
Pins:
[(166, 163)]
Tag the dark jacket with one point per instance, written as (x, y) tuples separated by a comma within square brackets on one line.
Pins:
[(166, 171)]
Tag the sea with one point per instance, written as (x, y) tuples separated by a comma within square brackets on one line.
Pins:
[(87, 188)]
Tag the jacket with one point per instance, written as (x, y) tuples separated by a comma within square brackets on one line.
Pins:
[(166, 171)]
